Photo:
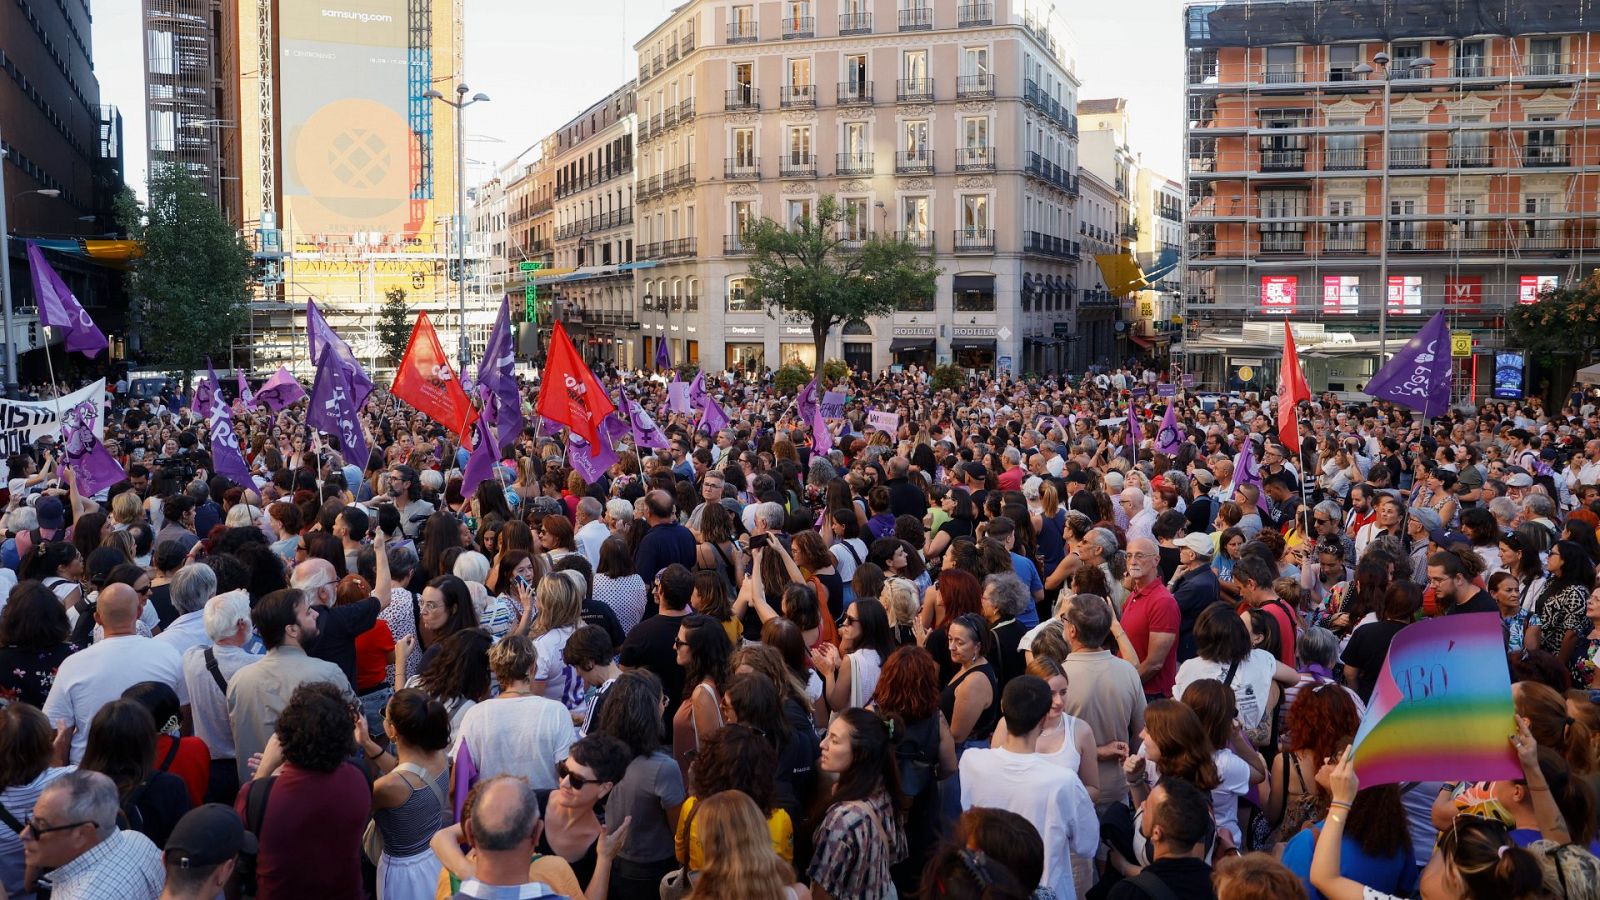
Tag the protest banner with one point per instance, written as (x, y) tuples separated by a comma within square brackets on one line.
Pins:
[(833, 405), (884, 421), (1441, 709), (24, 421)]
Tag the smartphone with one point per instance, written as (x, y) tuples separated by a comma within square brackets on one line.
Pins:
[(758, 541)]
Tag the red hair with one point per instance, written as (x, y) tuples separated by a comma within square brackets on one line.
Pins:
[(908, 685), (959, 593), (1322, 720)]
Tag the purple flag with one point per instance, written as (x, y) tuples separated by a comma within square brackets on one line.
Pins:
[(548, 427), (663, 354), (713, 418), (1132, 434), (645, 431), (591, 468), (806, 401), (280, 392), (244, 387), (225, 455), (1169, 439), (678, 397), (497, 380), (697, 391), (333, 409), (1245, 471), (1420, 376), (323, 337), (96, 469), (205, 396), (480, 465), (615, 429), (821, 438), (59, 309)]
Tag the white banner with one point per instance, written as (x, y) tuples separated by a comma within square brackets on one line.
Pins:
[(24, 421)]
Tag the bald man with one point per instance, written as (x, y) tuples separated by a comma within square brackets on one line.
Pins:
[(503, 828), (339, 626), (91, 678), (1141, 518)]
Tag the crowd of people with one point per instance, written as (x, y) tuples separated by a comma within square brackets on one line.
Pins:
[(1001, 650)]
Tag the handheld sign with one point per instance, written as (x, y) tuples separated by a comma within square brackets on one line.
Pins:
[(884, 421)]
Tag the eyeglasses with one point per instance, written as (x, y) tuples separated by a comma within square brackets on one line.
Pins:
[(849, 620), (143, 590), (577, 781), (430, 605), (31, 826), (676, 644)]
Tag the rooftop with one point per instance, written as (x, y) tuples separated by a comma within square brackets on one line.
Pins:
[(1101, 107), (1257, 23)]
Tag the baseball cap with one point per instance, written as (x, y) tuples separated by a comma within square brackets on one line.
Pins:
[(1204, 478), (1197, 542), (50, 512), (1444, 537), (1520, 480), (977, 472), (207, 836)]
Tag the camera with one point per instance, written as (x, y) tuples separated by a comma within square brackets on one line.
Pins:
[(180, 466)]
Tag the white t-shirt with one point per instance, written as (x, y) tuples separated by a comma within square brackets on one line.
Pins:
[(1235, 774), (844, 563), (524, 736), (98, 674), (1251, 684), (1049, 796), (562, 684)]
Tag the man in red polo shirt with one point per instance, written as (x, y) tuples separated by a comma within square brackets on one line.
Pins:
[(1150, 617)]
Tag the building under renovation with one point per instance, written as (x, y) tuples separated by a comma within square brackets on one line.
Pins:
[(1353, 166)]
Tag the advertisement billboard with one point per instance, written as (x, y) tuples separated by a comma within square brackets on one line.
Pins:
[(1531, 286), (1278, 293), (1508, 369), (1405, 294), (1463, 291), (1341, 294)]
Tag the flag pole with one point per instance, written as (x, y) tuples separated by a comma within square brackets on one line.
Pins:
[(49, 364)]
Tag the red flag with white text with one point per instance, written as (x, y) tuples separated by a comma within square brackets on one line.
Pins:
[(570, 394), (426, 381), (1291, 390)]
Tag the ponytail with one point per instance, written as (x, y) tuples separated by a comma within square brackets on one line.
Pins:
[(1490, 863)]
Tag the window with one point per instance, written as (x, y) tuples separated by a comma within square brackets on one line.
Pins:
[(857, 219), (1407, 149), (1544, 56), (855, 72), (914, 65), (975, 62), (796, 15), (975, 132), (1403, 232), (1279, 152), (797, 211), (799, 145), (1470, 60), (1467, 230), (1540, 227), (914, 138), (743, 213), (1342, 60), (915, 215), (800, 72), (1544, 148), (1469, 147), (1282, 237), (975, 213), (1400, 67), (739, 297), (855, 140), (1343, 235), (744, 147), (1345, 150), (1282, 65), (744, 77)]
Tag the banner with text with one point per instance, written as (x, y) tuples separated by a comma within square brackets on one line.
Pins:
[(24, 421)]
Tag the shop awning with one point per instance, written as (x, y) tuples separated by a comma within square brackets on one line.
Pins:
[(1142, 341), (899, 344), (972, 344)]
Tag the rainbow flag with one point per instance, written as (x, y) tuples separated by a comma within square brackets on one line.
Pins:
[(1441, 709)]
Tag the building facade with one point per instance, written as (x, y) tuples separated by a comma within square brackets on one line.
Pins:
[(949, 124), (1158, 243), (593, 239), (192, 94), (61, 153), (1363, 170)]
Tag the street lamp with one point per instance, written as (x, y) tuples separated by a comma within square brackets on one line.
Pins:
[(461, 102), (5, 276), (1407, 66)]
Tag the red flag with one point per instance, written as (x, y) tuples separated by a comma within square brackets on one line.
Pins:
[(570, 394), (426, 381), (1291, 390)]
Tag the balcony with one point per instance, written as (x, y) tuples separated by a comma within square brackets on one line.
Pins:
[(913, 162), (855, 23), (1338, 159), (797, 165), (682, 176), (672, 54), (734, 245), (741, 169), (799, 27), (1344, 240), (1281, 160), (1546, 65), (1408, 158), (975, 86), (855, 93), (1049, 245), (973, 14), (975, 159), (1284, 74), (687, 43), (914, 90), (692, 303), (742, 97), (793, 96), (975, 240), (743, 32), (922, 240), (1472, 156), (919, 18), (1469, 67), (673, 249), (1283, 242), (858, 163), (1546, 155), (647, 188)]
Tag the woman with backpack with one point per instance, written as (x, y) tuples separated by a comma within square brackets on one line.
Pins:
[(925, 752)]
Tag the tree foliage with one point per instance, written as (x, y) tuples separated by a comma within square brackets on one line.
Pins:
[(810, 273), (394, 324), (192, 286), (1565, 319), (949, 377), (791, 378)]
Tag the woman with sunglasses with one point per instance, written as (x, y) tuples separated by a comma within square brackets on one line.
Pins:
[(650, 792)]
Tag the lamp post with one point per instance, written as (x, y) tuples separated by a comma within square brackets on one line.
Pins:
[(461, 102), (5, 277), (1381, 61)]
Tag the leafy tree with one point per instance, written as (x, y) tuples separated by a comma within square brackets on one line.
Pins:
[(812, 274), (791, 377), (1565, 319), (836, 370), (949, 377), (394, 324), (191, 289)]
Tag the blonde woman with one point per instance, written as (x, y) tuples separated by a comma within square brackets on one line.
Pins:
[(899, 599), (126, 510), (560, 604), (740, 861)]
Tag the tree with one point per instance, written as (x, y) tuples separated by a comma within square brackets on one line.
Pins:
[(394, 324), (1564, 319), (192, 286), (811, 273)]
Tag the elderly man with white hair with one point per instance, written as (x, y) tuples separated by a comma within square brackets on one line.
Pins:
[(592, 532), (619, 516), (207, 669), (72, 834), (191, 587), (1141, 518)]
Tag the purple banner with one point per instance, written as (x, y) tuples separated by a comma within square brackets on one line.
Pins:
[(1169, 439), (323, 337), (645, 431), (1419, 377), (1166, 389), (93, 465), (480, 465), (591, 468), (280, 392), (58, 308), (497, 380), (225, 455), (333, 409)]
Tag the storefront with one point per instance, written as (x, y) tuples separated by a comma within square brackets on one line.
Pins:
[(914, 345), (973, 346), (745, 350), (795, 345), (857, 346)]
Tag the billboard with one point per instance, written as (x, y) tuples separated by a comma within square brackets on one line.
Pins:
[(1531, 286), (1508, 368), (1278, 293), (1463, 291), (1341, 294), (1405, 294)]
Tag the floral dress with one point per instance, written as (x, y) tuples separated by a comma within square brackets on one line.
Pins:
[(27, 673), (1516, 625), (1585, 666)]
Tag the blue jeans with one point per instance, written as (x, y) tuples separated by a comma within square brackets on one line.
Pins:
[(372, 706)]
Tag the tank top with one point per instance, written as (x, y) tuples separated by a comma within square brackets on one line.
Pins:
[(1052, 543), (983, 729), (1067, 755), (409, 827)]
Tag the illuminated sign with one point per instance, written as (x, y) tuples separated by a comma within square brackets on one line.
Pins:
[(1278, 293), (1405, 294), (1531, 286), (1341, 294)]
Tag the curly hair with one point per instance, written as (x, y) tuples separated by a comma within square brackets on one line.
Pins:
[(1185, 751), (1321, 721), (315, 728), (460, 670), (908, 686), (736, 758), (1256, 876)]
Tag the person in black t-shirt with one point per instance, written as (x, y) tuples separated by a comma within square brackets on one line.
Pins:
[(1363, 657), (1178, 832), (650, 645)]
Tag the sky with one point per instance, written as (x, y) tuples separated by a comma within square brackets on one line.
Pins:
[(544, 61)]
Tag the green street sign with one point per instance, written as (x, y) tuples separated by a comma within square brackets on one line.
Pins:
[(530, 292), (530, 266)]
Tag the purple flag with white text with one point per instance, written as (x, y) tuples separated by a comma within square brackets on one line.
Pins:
[(333, 409), (205, 396), (323, 337), (93, 465), (1420, 376), (590, 468), (280, 392), (225, 455), (480, 465), (58, 308), (1246, 471), (1169, 439), (244, 387), (645, 431), (497, 380)]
